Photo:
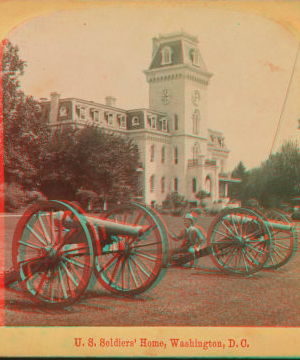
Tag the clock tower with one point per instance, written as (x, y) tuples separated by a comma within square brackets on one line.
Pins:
[(178, 81)]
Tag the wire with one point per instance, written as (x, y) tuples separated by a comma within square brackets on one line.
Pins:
[(284, 104)]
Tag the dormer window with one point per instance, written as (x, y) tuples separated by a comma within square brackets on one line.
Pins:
[(122, 119), (164, 124), (135, 121), (152, 120), (81, 112), (95, 115), (110, 118), (166, 55), (195, 55)]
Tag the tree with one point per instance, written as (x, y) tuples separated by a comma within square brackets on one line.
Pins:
[(22, 123), (201, 195), (174, 200), (235, 190), (93, 160)]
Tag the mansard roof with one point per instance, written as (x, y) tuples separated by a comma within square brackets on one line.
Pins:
[(182, 46)]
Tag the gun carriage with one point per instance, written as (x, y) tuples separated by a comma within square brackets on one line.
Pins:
[(57, 248)]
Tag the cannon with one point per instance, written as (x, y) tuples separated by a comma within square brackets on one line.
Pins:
[(242, 241), (57, 248)]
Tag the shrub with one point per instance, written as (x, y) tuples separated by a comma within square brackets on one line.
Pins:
[(87, 199), (177, 212), (296, 215), (164, 211), (198, 211)]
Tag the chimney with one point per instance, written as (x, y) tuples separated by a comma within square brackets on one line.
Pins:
[(110, 101), (54, 106)]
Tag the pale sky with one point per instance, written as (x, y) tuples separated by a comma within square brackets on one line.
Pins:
[(90, 54)]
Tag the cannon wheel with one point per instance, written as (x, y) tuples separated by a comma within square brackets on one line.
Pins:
[(52, 251), (285, 242), (135, 264), (240, 241)]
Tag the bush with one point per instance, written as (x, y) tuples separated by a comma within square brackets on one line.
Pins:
[(16, 198), (198, 211), (177, 212), (296, 215), (163, 211), (87, 199)]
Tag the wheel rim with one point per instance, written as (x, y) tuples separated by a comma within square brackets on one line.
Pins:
[(284, 244), (53, 253), (240, 241), (131, 265)]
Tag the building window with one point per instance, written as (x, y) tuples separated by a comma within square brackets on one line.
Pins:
[(135, 121), (166, 55), (95, 115), (194, 185), (176, 184), (81, 112), (163, 184), (152, 120), (63, 111), (208, 185), (152, 183), (196, 121), (175, 155), (176, 122), (195, 55), (164, 124), (152, 150), (122, 119), (196, 151), (163, 154), (109, 118)]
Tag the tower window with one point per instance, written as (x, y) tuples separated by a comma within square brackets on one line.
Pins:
[(175, 155), (163, 154), (176, 184), (152, 183), (176, 122), (194, 185), (152, 153), (163, 184), (196, 121), (166, 55), (195, 55)]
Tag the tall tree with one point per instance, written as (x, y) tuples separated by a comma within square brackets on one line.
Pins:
[(235, 190), (22, 123)]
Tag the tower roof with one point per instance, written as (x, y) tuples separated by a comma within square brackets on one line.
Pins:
[(183, 49)]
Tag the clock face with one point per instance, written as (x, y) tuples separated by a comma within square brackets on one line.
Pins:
[(166, 96), (196, 98)]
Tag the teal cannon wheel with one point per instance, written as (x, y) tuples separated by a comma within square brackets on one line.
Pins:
[(53, 253), (285, 242), (130, 265), (240, 241)]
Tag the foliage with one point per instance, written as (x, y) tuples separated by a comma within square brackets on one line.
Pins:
[(296, 215), (23, 128), (275, 182), (16, 198), (91, 159), (174, 200), (202, 194), (235, 190), (87, 199), (198, 211), (177, 212)]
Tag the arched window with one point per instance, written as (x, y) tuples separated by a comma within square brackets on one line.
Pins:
[(152, 153), (175, 155), (194, 185), (152, 183), (196, 121), (163, 154), (135, 121), (166, 55), (163, 184), (208, 184), (176, 184)]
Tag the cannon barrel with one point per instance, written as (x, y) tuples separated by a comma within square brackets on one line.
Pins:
[(277, 225), (107, 227)]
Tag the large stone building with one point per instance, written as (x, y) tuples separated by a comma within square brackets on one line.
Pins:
[(178, 150)]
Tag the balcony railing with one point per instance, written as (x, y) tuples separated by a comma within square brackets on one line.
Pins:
[(211, 162), (224, 175)]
